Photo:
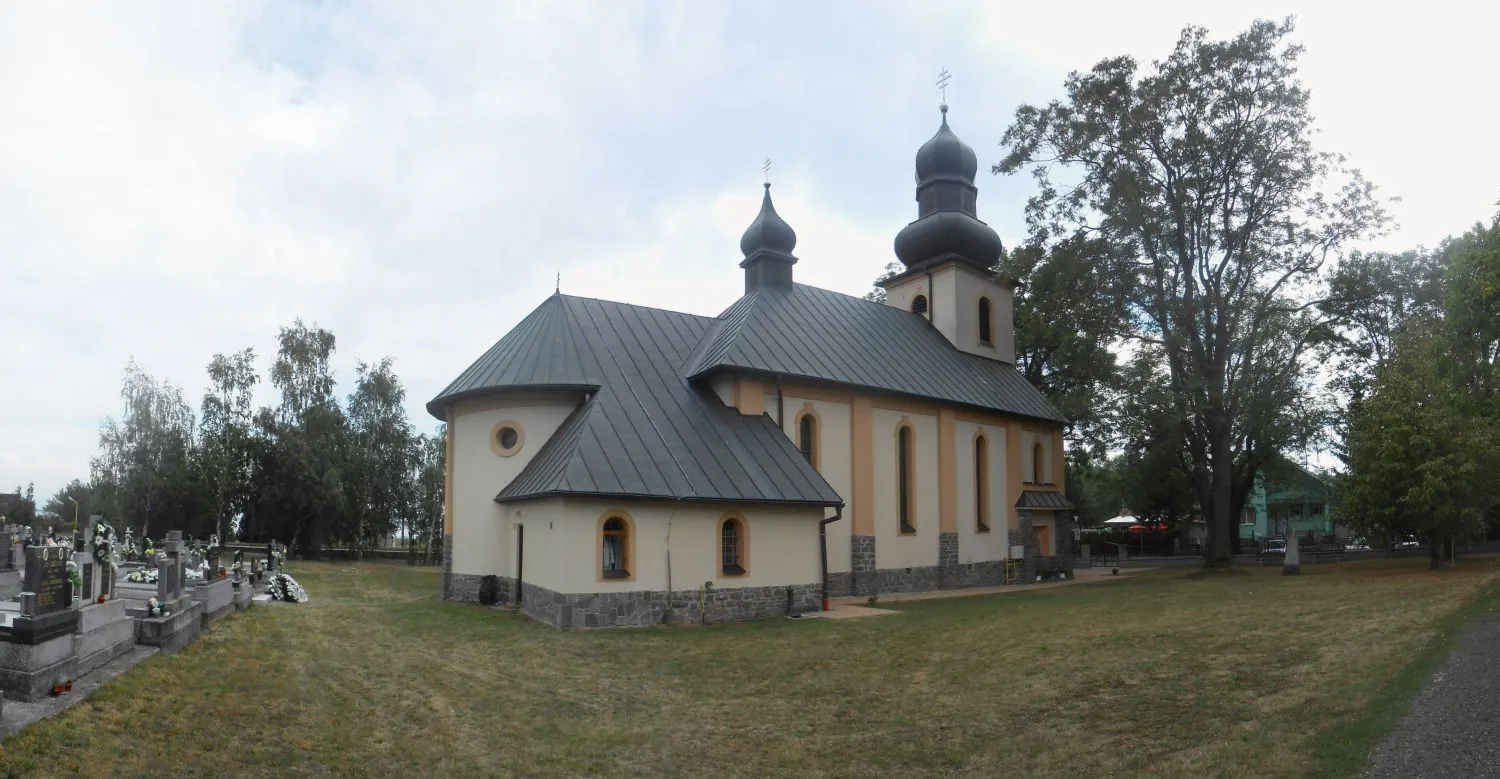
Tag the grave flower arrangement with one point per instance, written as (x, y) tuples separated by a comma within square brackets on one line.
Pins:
[(156, 608), (143, 576), (280, 554), (75, 574), (106, 548), (283, 587)]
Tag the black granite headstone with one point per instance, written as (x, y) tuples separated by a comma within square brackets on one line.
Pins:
[(47, 576), (88, 580)]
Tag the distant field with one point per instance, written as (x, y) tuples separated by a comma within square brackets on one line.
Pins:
[(1247, 674)]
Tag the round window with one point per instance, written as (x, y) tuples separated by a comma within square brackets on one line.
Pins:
[(507, 438)]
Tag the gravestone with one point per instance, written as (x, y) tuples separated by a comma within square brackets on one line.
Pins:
[(47, 578), (271, 556), (6, 542), (1292, 564)]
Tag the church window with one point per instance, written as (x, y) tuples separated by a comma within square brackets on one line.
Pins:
[(1038, 464), (807, 436), (616, 549), (507, 438), (981, 485), (984, 321), (732, 547), (919, 304), (905, 478)]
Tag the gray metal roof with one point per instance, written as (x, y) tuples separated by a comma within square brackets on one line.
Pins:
[(813, 333), (644, 432), (1042, 499)]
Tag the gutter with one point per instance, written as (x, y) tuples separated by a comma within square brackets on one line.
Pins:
[(838, 514)]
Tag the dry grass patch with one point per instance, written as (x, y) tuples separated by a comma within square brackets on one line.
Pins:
[(1251, 674)]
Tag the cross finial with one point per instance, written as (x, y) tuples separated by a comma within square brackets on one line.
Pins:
[(558, 288), (942, 85), (766, 169)]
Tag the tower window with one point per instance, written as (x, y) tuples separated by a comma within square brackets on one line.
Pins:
[(807, 436), (919, 304), (984, 320), (905, 477)]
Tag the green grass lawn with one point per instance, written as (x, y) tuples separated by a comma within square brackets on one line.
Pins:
[(1161, 674)]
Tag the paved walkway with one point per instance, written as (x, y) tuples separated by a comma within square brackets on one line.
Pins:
[(19, 714), (1453, 728), (855, 607)]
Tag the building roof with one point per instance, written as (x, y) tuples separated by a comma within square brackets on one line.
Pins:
[(811, 333), (644, 431), (1043, 499)]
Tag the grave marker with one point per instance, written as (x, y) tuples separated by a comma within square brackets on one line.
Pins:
[(46, 579)]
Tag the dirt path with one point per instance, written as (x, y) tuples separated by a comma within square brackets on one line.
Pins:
[(1453, 728)]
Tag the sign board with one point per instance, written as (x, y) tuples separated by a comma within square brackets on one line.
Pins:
[(1017, 552)]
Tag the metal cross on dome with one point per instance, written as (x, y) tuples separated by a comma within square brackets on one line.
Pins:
[(766, 169), (942, 84)]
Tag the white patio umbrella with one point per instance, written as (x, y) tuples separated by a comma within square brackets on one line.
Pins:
[(1122, 520)]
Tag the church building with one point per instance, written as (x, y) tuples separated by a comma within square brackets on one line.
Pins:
[(611, 464)]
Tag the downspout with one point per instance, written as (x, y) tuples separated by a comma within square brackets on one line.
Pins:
[(838, 514), (520, 562)]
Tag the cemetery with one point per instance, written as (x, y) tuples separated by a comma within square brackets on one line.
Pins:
[(71, 605)]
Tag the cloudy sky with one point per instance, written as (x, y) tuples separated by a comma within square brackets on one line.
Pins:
[(178, 179)]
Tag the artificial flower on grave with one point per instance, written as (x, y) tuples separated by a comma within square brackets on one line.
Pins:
[(75, 574), (284, 588)]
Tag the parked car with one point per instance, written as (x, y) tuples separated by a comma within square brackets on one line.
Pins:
[(1275, 546), (1409, 543), (1356, 545)]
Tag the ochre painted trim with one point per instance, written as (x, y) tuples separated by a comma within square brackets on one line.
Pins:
[(744, 545), (1043, 537), (808, 410), (751, 396), (982, 506), (810, 392), (448, 473), (630, 559), (911, 477), (495, 446), (1013, 468), (862, 468), (947, 474)]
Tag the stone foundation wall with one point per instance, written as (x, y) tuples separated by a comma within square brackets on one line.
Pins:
[(862, 578), (840, 585), (463, 587), (650, 607)]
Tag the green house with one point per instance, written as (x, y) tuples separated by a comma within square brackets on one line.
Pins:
[(1287, 499)]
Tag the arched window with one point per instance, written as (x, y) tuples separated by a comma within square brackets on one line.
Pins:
[(807, 437), (981, 486), (919, 304), (732, 547), (905, 477), (984, 320), (616, 551), (1038, 465)]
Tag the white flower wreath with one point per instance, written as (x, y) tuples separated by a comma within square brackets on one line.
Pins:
[(283, 587)]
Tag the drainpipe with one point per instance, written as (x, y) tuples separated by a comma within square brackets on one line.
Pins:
[(520, 561), (838, 514)]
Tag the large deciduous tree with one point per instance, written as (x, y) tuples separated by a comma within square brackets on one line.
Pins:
[(1202, 170), (226, 453), (143, 472), (381, 454)]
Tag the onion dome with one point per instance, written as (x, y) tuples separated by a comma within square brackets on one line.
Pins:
[(767, 245), (769, 232), (947, 225), (945, 156)]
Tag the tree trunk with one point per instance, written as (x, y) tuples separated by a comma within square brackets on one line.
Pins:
[(1216, 550)]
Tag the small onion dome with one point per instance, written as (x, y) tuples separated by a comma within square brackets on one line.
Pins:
[(944, 156), (769, 232), (946, 233)]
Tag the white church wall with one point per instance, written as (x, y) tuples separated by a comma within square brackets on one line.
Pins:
[(723, 386), (482, 536), (894, 549), (562, 554), (974, 546)]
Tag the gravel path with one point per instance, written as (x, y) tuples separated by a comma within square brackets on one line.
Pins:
[(1453, 728)]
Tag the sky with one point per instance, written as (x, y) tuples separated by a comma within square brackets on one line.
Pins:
[(180, 180)]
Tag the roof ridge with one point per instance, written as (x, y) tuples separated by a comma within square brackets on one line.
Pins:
[(629, 305)]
